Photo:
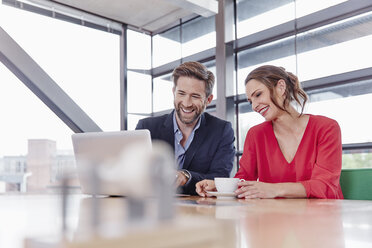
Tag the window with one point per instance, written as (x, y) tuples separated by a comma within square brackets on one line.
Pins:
[(26, 121), (166, 47), (85, 63), (211, 65), (318, 54), (349, 104), (257, 15), (163, 95), (139, 97), (198, 35), (323, 51), (247, 119), (279, 53), (361, 158), (139, 50)]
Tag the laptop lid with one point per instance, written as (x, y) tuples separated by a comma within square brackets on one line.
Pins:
[(104, 149)]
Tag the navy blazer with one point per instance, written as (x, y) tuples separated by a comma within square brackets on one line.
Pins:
[(211, 153)]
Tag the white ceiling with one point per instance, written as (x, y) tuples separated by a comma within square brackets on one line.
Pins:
[(148, 15)]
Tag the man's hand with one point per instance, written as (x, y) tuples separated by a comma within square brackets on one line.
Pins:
[(181, 179)]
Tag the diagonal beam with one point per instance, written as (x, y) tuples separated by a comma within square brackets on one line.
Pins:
[(43, 86), (205, 8)]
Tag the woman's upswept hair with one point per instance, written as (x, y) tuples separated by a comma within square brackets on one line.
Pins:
[(269, 75)]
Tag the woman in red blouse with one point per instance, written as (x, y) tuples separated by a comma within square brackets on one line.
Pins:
[(291, 154)]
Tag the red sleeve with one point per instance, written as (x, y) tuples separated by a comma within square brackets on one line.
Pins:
[(248, 162), (325, 177)]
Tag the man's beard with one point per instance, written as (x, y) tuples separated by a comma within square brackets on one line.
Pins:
[(197, 114)]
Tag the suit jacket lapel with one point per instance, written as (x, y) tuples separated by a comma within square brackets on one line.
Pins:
[(167, 133), (199, 136)]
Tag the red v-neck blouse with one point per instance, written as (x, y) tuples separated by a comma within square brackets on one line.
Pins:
[(317, 162)]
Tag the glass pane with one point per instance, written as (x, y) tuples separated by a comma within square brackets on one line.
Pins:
[(322, 52), (211, 65), (257, 15), (163, 95), (166, 47), (305, 7), (35, 144), (198, 35), (349, 104), (133, 120), (279, 53), (139, 85), (357, 159), (247, 119), (86, 66), (84, 62), (139, 50)]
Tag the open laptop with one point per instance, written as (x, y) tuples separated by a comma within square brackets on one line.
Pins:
[(104, 149)]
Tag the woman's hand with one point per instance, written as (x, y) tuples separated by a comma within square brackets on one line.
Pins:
[(205, 185), (254, 189)]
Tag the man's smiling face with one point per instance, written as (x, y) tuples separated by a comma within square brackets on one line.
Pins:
[(190, 99)]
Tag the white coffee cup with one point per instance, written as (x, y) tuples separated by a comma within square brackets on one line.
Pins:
[(226, 184)]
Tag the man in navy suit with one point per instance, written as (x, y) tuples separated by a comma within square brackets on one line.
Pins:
[(203, 144)]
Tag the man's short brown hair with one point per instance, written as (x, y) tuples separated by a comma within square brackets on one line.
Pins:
[(195, 70)]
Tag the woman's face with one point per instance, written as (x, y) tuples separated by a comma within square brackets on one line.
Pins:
[(259, 96)]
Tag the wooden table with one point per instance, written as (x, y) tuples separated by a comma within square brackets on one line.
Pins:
[(253, 223), (292, 222)]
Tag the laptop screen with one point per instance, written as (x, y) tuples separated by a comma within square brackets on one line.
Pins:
[(105, 149)]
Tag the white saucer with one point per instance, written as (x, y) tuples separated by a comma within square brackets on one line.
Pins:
[(222, 194)]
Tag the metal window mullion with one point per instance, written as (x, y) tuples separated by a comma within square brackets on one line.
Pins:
[(124, 78)]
